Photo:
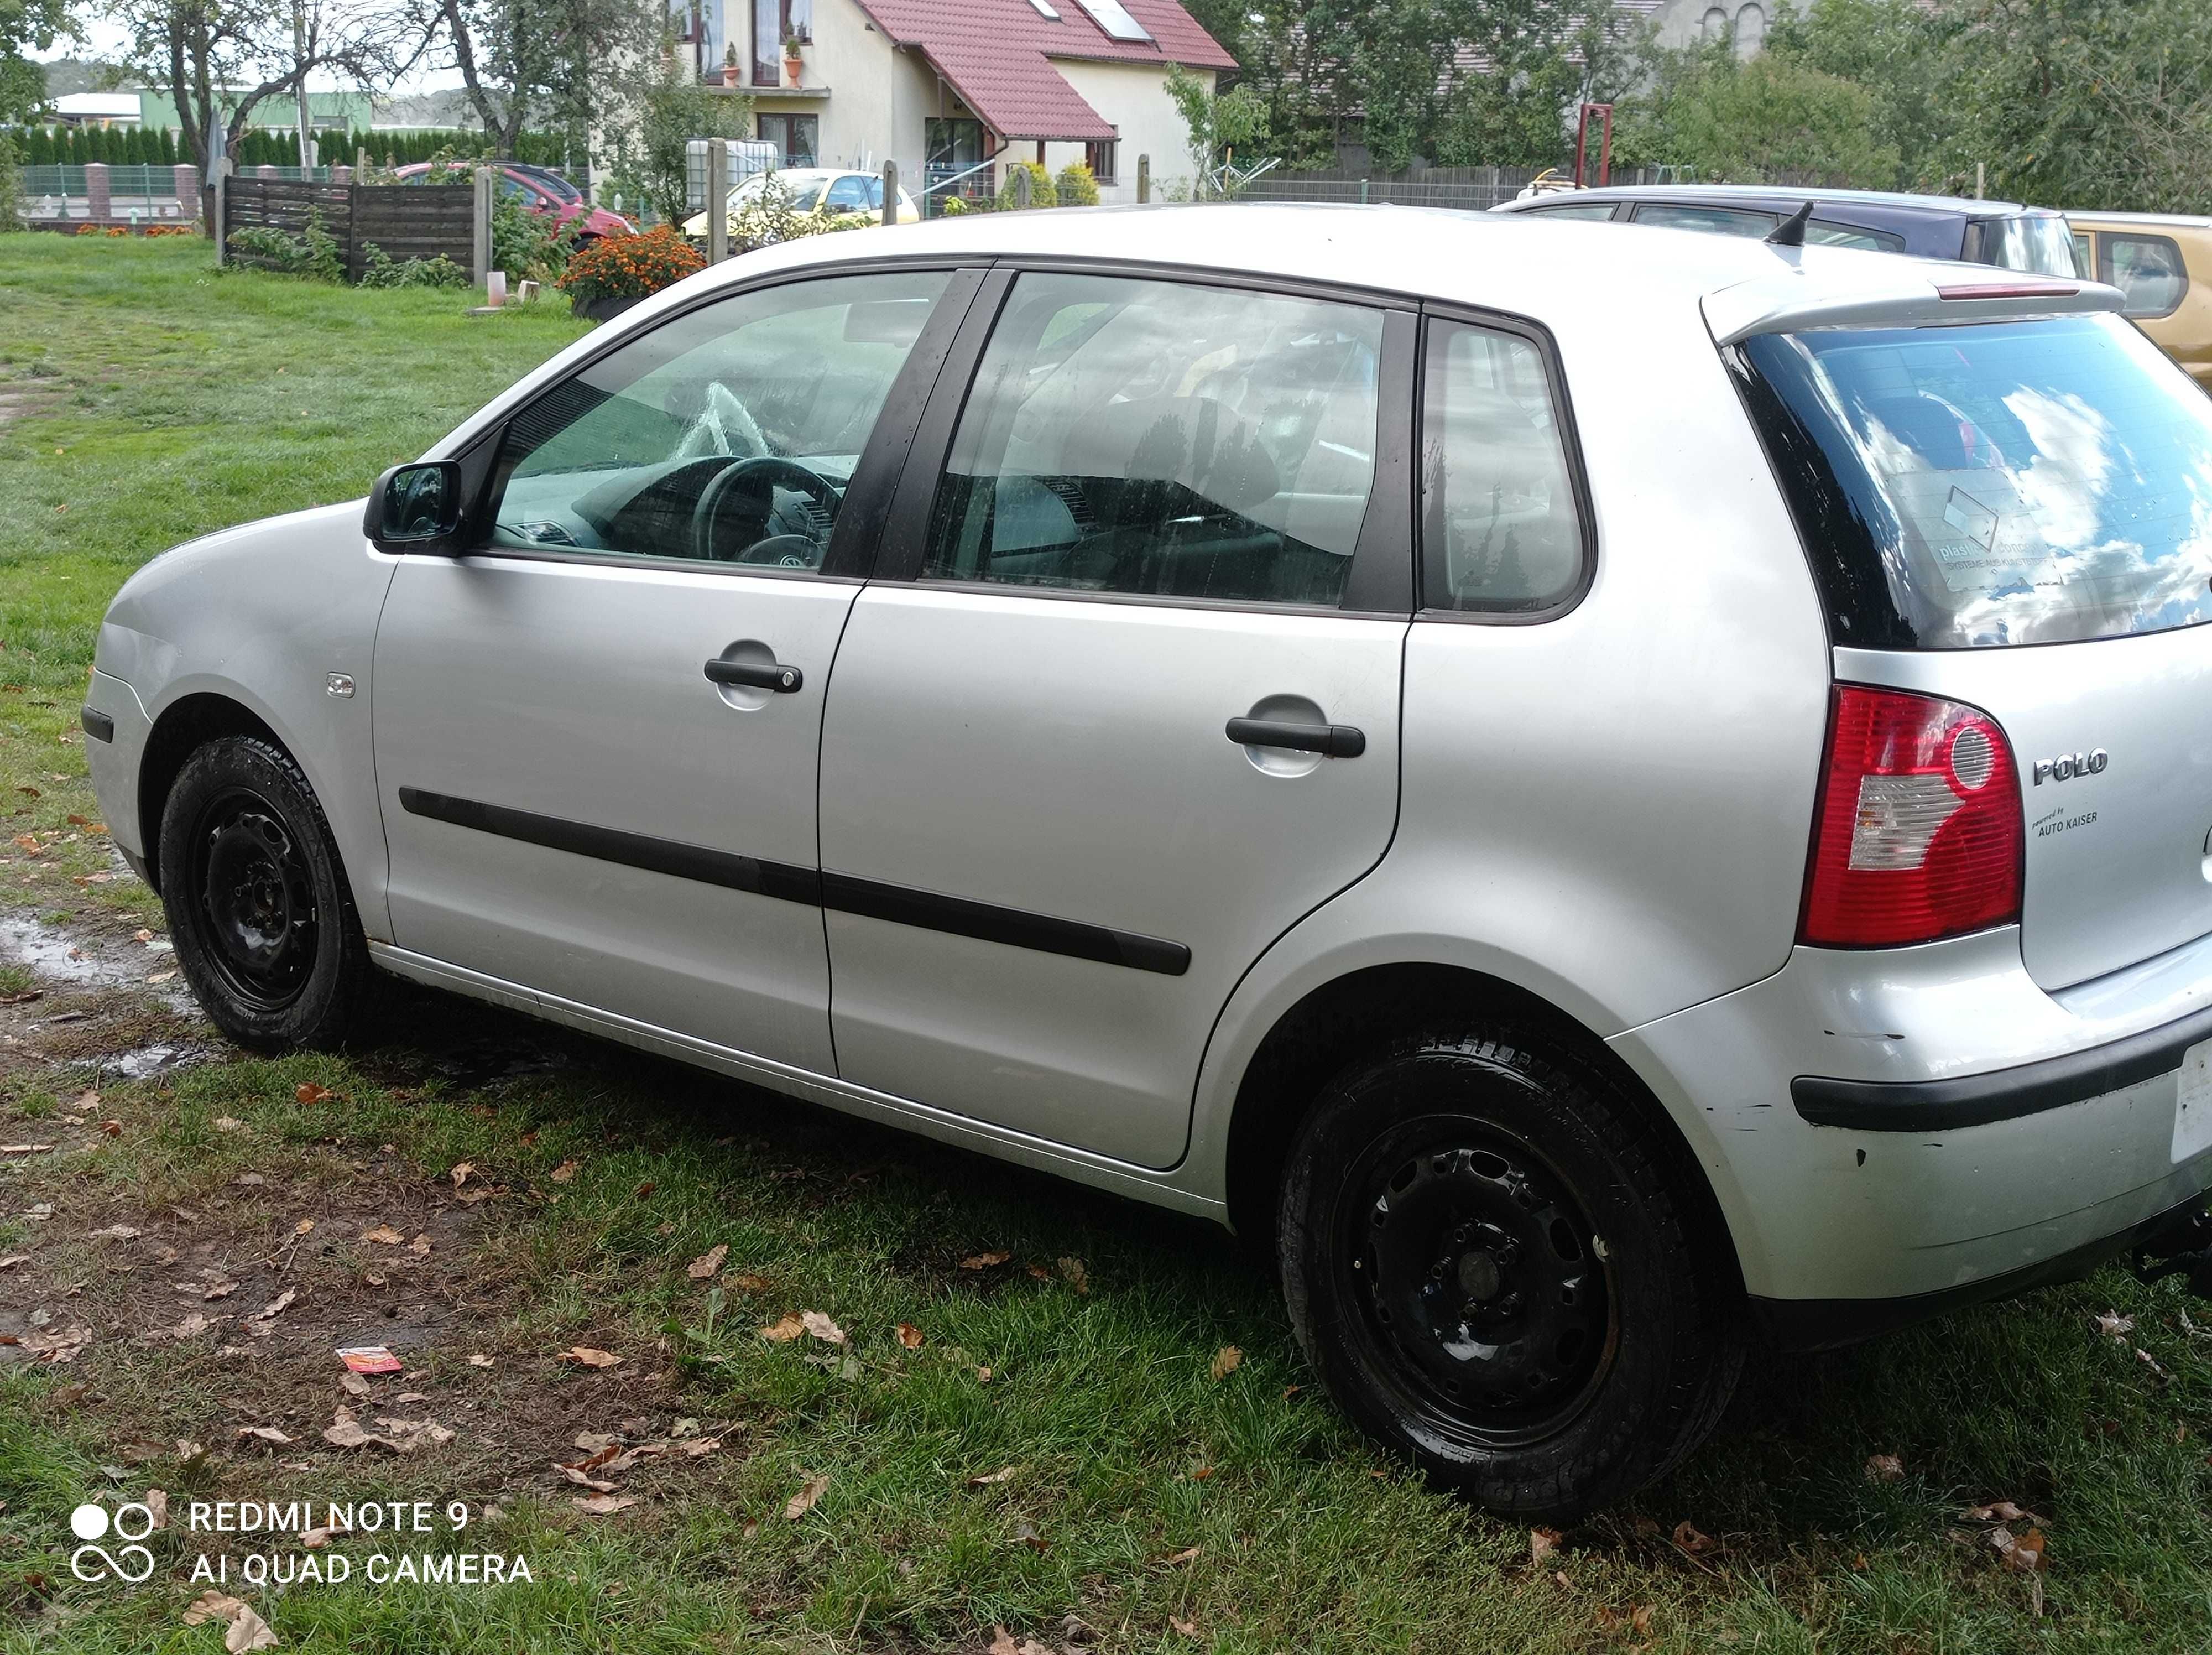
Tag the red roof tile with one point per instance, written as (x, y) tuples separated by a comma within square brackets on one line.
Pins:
[(995, 53)]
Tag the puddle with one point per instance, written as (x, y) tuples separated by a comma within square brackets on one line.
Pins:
[(52, 954), (152, 1060)]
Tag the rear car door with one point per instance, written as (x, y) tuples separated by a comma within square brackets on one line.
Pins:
[(596, 734), (1122, 705)]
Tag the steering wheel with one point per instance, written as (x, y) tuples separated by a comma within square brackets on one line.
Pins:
[(777, 468)]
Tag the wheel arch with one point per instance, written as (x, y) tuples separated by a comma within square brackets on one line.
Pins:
[(185, 725), (1362, 1009)]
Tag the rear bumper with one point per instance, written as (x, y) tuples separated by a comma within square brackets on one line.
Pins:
[(1926, 1124)]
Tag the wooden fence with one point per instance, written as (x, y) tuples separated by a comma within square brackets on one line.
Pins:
[(405, 221)]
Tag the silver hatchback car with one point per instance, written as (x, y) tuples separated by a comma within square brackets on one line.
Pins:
[(1611, 794)]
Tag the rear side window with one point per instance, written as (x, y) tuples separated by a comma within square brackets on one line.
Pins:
[(1990, 483), (1500, 531), (1716, 221), (1155, 438), (2147, 268), (1824, 234), (1591, 209), (2040, 242)]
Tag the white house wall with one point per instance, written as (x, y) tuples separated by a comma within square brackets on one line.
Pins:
[(1134, 98)]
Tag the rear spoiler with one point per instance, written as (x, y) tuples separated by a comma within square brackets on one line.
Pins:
[(1908, 293)]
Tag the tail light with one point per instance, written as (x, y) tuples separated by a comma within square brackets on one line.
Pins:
[(1918, 833)]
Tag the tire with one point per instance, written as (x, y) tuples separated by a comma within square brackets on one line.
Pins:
[(259, 906), (1488, 1257)]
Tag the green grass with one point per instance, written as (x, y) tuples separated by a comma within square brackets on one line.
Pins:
[(161, 383)]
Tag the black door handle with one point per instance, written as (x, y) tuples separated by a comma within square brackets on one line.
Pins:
[(1336, 740), (781, 679)]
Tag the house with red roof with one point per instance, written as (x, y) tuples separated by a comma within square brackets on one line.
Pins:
[(955, 90)]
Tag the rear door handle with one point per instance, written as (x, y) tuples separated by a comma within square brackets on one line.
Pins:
[(761, 676), (1336, 740)]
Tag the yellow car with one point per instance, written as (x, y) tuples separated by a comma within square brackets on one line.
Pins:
[(826, 192), (2163, 263)]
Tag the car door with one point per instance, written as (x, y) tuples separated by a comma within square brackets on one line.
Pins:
[(596, 734), (1122, 704)]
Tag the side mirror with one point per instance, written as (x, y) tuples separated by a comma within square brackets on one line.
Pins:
[(417, 509)]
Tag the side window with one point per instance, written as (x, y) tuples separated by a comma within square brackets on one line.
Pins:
[(850, 194), (1716, 221), (1152, 437), (1500, 531), (728, 433), (2147, 268), (1592, 209), (1829, 234)]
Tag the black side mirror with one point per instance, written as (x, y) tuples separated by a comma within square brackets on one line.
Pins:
[(417, 509)]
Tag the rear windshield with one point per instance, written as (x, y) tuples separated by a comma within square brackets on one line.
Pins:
[(1990, 483)]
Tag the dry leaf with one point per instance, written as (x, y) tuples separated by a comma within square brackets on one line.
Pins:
[(1078, 1277), (420, 1245), (698, 1445), (563, 1173), (384, 1235), (303, 1227), (2113, 1325), (821, 1327), (86, 1100), (354, 1385), (114, 1231), (275, 1307), (460, 1172), (312, 1093), (262, 1433), (1226, 1361), (745, 1282), (157, 1506), (2023, 1552), (1542, 1542), (708, 1262), (783, 1331), (585, 1356), (477, 1359), (210, 1606), (1188, 1628), (220, 1290), (990, 1477), (908, 1335), (984, 1261), (982, 1376), (1189, 1554), (1885, 1468), (604, 1505), (1687, 1537), (577, 1475), (804, 1500), (191, 1327), (13, 1259)]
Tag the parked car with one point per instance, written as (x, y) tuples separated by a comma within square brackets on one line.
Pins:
[(538, 188), (1597, 806), (822, 191), (2163, 263), (2001, 233)]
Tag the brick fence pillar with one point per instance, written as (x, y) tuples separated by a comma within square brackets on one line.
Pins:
[(188, 191), (95, 188)]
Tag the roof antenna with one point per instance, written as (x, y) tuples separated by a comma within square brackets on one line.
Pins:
[(1791, 231)]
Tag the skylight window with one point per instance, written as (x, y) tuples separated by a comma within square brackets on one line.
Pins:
[(1114, 18), (1044, 9)]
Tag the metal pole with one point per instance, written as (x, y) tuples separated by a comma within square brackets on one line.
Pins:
[(480, 246), (1143, 178), (300, 92), (718, 200), (891, 192)]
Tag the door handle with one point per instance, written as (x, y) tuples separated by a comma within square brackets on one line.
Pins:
[(1334, 740), (755, 676)]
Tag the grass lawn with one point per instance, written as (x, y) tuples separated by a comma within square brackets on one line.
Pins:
[(1029, 1424)]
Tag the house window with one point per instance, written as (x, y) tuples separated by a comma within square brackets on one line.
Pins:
[(796, 136), (1099, 158), (951, 148)]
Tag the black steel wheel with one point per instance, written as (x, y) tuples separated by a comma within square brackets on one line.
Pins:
[(1493, 1258), (258, 902)]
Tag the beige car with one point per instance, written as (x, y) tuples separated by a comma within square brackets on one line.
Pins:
[(2163, 263), (824, 191)]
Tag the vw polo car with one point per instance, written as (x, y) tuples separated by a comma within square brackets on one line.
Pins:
[(1600, 814)]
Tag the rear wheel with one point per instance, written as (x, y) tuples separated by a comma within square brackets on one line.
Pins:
[(258, 902), (1487, 1256)]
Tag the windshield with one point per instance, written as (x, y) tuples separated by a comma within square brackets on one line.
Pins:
[(2042, 242), (805, 189), (1990, 483)]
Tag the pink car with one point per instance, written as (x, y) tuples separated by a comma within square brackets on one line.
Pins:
[(542, 191)]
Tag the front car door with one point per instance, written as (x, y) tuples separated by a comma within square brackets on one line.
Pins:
[(596, 734), (1121, 706)]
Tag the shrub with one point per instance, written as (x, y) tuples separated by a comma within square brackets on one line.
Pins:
[(529, 246), (770, 216), (1077, 185), (1042, 193), (11, 186), (314, 252), (630, 266), (380, 270)]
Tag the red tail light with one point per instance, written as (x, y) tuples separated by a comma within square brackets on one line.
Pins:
[(1918, 834)]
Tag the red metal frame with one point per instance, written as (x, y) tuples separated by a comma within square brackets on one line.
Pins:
[(1605, 142)]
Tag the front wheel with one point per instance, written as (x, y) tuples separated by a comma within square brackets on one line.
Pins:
[(258, 902), (1488, 1257)]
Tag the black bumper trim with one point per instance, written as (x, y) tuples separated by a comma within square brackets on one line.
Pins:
[(97, 724), (2001, 1094), (1808, 1324)]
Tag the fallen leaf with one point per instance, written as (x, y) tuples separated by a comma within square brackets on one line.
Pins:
[(1885, 1468), (585, 1356), (1542, 1542), (210, 1606), (312, 1093), (804, 1500), (698, 1445), (707, 1262), (157, 1506), (821, 1327), (24, 1149), (1078, 1277), (2023, 1552), (908, 1335), (65, 1347), (305, 1226), (1226, 1361), (783, 1331), (2113, 1325), (227, 1123), (604, 1505), (460, 1172), (86, 1100), (1026, 1534), (745, 1282), (344, 1430), (1189, 1554), (13, 1260), (990, 1477), (316, 1539), (275, 1307), (1188, 1628), (191, 1327), (116, 1232), (110, 1129), (420, 1245), (982, 1376), (384, 1235), (563, 1173), (1687, 1537), (268, 1433), (477, 1359), (984, 1261), (353, 1384), (583, 1478)]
